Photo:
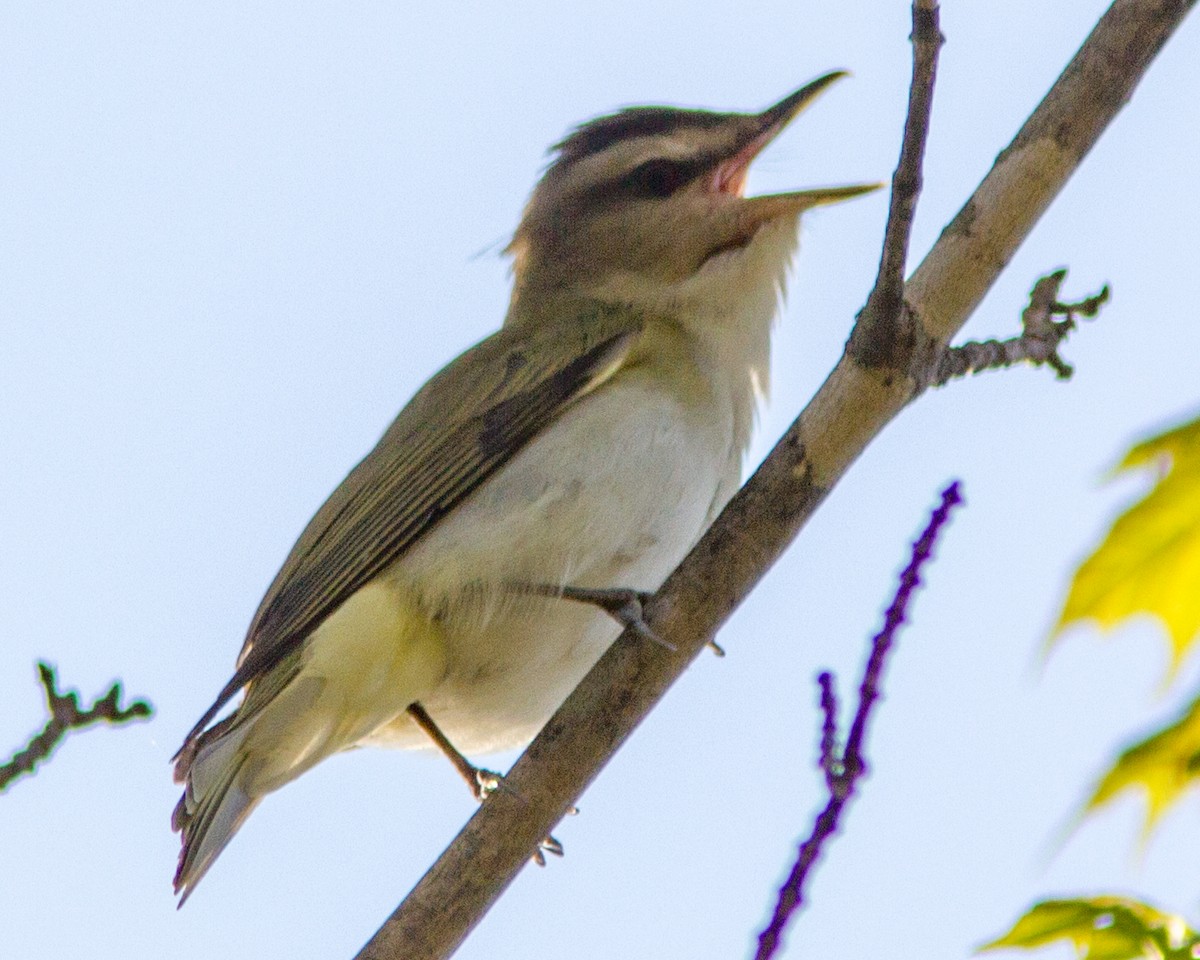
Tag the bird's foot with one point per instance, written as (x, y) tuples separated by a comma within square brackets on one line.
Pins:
[(548, 845), (481, 782), (487, 782), (622, 604)]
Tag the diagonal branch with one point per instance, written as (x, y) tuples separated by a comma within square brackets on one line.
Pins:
[(865, 391), (1032, 170)]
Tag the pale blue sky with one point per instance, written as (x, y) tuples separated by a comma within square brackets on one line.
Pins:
[(236, 237)]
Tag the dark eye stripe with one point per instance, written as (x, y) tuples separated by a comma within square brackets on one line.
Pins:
[(652, 179), (661, 177), (655, 178)]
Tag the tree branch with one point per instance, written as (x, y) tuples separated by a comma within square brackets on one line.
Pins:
[(65, 715), (1032, 170), (843, 772), (861, 396)]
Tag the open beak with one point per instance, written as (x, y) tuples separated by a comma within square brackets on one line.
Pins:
[(729, 177)]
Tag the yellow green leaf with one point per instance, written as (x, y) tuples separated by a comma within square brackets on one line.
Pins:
[(1149, 562), (1103, 928), (1163, 765)]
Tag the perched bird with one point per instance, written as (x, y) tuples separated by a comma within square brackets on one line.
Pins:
[(453, 590)]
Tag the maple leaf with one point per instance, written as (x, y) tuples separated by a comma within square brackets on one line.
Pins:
[(1163, 765), (1149, 562), (1103, 928)]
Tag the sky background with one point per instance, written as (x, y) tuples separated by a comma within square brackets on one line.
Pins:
[(237, 237)]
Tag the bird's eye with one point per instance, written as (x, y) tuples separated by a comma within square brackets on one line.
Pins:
[(657, 178)]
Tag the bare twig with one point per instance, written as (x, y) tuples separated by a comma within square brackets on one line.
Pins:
[(66, 715), (852, 764), (1032, 170), (855, 403), (880, 318), (830, 760), (1038, 343)]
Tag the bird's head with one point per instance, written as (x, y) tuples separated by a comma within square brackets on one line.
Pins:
[(646, 204)]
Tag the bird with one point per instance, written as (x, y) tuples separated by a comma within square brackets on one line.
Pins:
[(478, 561)]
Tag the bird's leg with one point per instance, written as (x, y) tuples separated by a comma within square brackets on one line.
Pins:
[(622, 604), (482, 782)]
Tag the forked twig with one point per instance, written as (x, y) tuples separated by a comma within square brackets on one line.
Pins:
[(66, 715), (1041, 335), (843, 771)]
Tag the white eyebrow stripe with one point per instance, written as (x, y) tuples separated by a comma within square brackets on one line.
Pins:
[(623, 157)]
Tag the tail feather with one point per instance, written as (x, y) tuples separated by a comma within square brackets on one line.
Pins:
[(228, 769), (375, 655), (215, 803), (218, 796)]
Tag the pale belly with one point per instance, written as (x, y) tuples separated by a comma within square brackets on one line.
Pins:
[(614, 495)]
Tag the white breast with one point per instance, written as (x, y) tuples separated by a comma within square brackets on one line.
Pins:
[(613, 495)]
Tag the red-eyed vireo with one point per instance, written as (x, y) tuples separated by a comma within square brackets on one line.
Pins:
[(575, 455)]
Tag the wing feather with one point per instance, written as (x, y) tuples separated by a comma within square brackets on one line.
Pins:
[(461, 427)]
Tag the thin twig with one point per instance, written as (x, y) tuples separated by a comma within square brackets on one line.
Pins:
[(852, 764), (1040, 338), (830, 761), (66, 715), (883, 307)]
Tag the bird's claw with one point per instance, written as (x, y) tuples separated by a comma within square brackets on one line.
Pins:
[(488, 782), (547, 845), (623, 605)]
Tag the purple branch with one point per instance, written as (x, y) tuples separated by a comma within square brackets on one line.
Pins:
[(842, 773)]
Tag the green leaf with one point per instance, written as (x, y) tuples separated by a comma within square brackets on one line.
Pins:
[(1103, 928), (1149, 563), (1163, 765)]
